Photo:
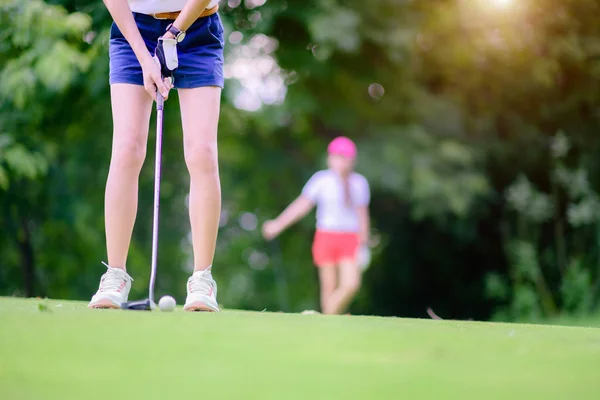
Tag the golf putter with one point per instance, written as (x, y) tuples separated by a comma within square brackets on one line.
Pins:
[(149, 304)]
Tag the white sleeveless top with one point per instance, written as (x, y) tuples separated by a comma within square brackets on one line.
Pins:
[(159, 6), (326, 190)]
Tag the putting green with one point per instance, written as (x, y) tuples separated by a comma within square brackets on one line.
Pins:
[(70, 352)]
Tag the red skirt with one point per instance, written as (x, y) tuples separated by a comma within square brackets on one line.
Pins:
[(330, 248)]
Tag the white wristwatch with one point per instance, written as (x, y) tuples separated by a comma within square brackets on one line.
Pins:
[(179, 35)]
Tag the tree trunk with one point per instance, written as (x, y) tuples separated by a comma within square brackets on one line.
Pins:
[(27, 260)]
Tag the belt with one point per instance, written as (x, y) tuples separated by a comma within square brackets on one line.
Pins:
[(173, 15)]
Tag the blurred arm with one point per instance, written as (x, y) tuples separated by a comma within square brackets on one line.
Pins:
[(123, 17), (364, 223), (294, 212)]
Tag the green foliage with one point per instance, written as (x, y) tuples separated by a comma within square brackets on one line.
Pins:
[(532, 297), (529, 203), (525, 304), (576, 289), (44, 54), (335, 28), (496, 287), (529, 293), (440, 177), (18, 162), (41, 93)]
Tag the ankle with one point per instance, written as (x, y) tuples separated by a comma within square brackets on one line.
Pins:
[(121, 267), (200, 269)]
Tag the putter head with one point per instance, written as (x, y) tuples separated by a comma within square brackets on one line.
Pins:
[(139, 305)]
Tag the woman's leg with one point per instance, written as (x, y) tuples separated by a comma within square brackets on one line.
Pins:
[(200, 115), (350, 279), (131, 108), (327, 284)]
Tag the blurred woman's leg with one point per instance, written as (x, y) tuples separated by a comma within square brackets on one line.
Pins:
[(328, 282), (349, 284)]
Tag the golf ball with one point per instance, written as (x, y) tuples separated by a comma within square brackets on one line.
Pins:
[(167, 303)]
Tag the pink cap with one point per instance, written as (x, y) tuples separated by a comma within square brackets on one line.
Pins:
[(342, 146)]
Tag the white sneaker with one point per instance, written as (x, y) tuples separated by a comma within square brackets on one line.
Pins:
[(201, 292), (114, 289)]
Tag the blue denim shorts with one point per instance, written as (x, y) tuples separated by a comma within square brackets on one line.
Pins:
[(200, 53)]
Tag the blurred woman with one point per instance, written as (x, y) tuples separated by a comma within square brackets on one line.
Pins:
[(342, 199)]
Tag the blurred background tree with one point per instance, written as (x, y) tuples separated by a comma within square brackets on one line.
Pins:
[(475, 122)]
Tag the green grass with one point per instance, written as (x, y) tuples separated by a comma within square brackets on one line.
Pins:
[(70, 352)]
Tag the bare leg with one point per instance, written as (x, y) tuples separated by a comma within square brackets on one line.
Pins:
[(131, 108), (328, 282), (200, 115), (350, 279)]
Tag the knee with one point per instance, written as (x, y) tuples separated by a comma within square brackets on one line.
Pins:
[(201, 157), (129, 154)]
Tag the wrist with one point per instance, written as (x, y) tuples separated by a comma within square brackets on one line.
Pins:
[(173, 32), (146, 59)]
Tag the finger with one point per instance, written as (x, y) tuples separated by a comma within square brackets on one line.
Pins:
[(151, 89), (161, 87), (169, 83)]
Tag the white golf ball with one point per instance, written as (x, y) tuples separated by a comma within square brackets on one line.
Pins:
[(167, 303)]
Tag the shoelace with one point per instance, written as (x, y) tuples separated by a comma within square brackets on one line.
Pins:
[(199, 283), (113, 279)]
